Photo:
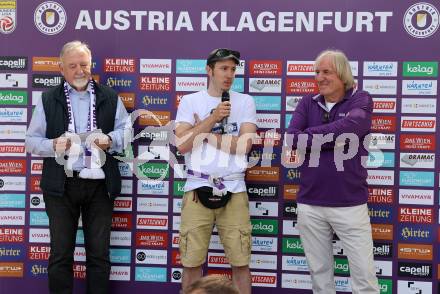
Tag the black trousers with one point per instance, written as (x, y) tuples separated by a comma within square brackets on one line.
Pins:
[(90, 199)]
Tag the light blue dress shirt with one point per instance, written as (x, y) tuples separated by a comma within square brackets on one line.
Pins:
[(38, 144)]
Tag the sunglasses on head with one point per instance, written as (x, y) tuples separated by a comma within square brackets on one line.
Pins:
[(223, 52)]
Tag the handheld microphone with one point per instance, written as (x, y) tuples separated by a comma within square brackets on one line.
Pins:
[(225, 97)]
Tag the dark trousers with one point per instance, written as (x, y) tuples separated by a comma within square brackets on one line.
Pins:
[(90, 199)]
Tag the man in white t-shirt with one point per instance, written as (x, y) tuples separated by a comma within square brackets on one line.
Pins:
[(214, 131)]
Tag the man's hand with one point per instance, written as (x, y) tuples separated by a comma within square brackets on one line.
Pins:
[(61, 144), (222, 110), (103, 142)]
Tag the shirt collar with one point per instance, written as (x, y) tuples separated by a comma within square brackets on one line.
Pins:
[(348, 94)]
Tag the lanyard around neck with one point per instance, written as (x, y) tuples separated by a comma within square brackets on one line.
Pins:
[(91, 123)]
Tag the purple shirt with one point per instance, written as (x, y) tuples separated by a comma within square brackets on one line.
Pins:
[(332, 181)]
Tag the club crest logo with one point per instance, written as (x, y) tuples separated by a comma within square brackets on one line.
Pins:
[(8, 16), (421, 20), (50, 18)]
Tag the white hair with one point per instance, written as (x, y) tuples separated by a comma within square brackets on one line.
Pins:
[(75, 45), (341, 64)]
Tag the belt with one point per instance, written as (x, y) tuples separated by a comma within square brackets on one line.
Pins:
[(75, 176), (216, 182)]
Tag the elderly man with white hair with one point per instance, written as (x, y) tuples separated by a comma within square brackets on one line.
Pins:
[(333, 186), (81, 182)]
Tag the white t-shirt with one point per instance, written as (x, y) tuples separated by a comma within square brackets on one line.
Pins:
[(205, 158), (330, 105)]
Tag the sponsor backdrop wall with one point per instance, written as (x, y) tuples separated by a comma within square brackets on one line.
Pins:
[(152, 53)]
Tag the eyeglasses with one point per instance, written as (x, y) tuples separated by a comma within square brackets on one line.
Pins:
[(325, 117), (223, 53)]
